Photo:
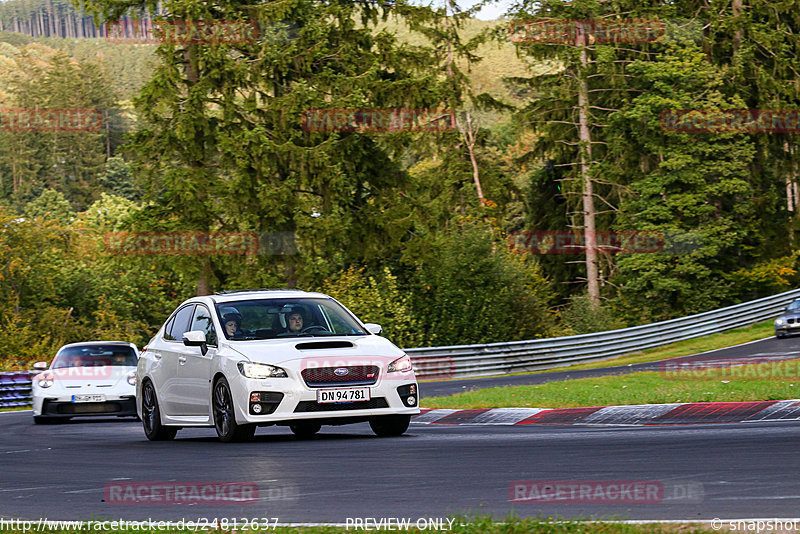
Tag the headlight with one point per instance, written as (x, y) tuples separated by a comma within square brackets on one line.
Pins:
[(132, 378), (260, 370), (779, 321), (400, 365), (44, 380)]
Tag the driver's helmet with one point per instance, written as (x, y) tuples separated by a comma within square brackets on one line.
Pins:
[(231, 314), (288, 310)]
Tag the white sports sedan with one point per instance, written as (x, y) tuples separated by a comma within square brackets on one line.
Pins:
[(241, 359), (86, 379)]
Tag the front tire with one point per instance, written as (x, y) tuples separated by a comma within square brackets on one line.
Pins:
[(305, 429), (389, 425), (151, 416), (228, 429), (780, 335)]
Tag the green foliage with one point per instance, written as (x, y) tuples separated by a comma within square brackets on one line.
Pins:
[(118, 179), (51, 204), (580, 316), (379, 299), (476, 291), (693, 189)]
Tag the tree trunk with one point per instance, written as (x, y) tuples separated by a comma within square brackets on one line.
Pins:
[(468, 134), (589, 231)]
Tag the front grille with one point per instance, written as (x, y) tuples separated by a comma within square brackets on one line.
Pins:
[(89, 407), (357, 375), (790, 321), (123, 406), (314, 406)]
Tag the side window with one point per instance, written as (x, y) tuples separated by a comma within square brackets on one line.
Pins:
[(181, 323), (168, 328), (202, 321)]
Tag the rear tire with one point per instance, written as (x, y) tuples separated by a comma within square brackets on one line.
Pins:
[(305, 429), (151, 416), (389, 425), (228, 429)]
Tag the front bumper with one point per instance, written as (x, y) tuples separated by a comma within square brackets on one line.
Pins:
[(56, 407), (787, 328), (284, 400)]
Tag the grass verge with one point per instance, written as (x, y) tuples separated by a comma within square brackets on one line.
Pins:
[(755, 382), (730, 338), (15, 409), (474, 526)]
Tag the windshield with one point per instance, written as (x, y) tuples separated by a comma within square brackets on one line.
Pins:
[(794, 306), (95, 356), (281, 318)]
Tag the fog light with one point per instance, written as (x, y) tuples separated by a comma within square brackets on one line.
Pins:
[(412, 390), (411, 400), (257, 408), (255, 397)]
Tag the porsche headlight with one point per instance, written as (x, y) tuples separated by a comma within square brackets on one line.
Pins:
[(400, 365), (44, 380), (260, 370), (132, 378)]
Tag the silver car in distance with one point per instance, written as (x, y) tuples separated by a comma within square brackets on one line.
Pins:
[(237, 360)]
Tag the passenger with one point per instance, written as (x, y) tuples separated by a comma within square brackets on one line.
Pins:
[(232, 321)]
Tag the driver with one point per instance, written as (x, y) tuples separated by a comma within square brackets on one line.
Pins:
[(294, 322)]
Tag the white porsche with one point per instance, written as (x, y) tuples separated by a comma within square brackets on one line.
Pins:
[(86, 379), (237, 360)]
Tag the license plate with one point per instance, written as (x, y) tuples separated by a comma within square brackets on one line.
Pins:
[(88, 398), (342, 395)]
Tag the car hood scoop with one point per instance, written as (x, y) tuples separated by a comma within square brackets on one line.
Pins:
[(316, 345)]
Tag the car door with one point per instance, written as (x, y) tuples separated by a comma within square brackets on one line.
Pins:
[(193, 383), (171, 349)]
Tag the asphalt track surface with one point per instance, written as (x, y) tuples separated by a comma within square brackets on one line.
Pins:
[(761, 350), (705, 471)]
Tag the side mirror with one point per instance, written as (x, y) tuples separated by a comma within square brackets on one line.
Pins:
[(196, 338), (373, 328), (40, 366)]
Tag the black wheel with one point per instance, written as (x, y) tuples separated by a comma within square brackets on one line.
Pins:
[(228, 429), (780, 335), (305, 429), (389, 425), (151, 416)]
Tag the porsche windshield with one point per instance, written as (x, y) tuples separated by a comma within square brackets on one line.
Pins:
[(279, 318), (95, 356)]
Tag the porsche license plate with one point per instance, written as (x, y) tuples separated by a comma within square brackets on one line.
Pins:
[(88, 398), (342, 395)]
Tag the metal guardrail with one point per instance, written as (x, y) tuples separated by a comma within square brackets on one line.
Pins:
[(462, 361), (15, 389)]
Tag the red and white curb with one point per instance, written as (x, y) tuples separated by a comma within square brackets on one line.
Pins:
[(633, 415)]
